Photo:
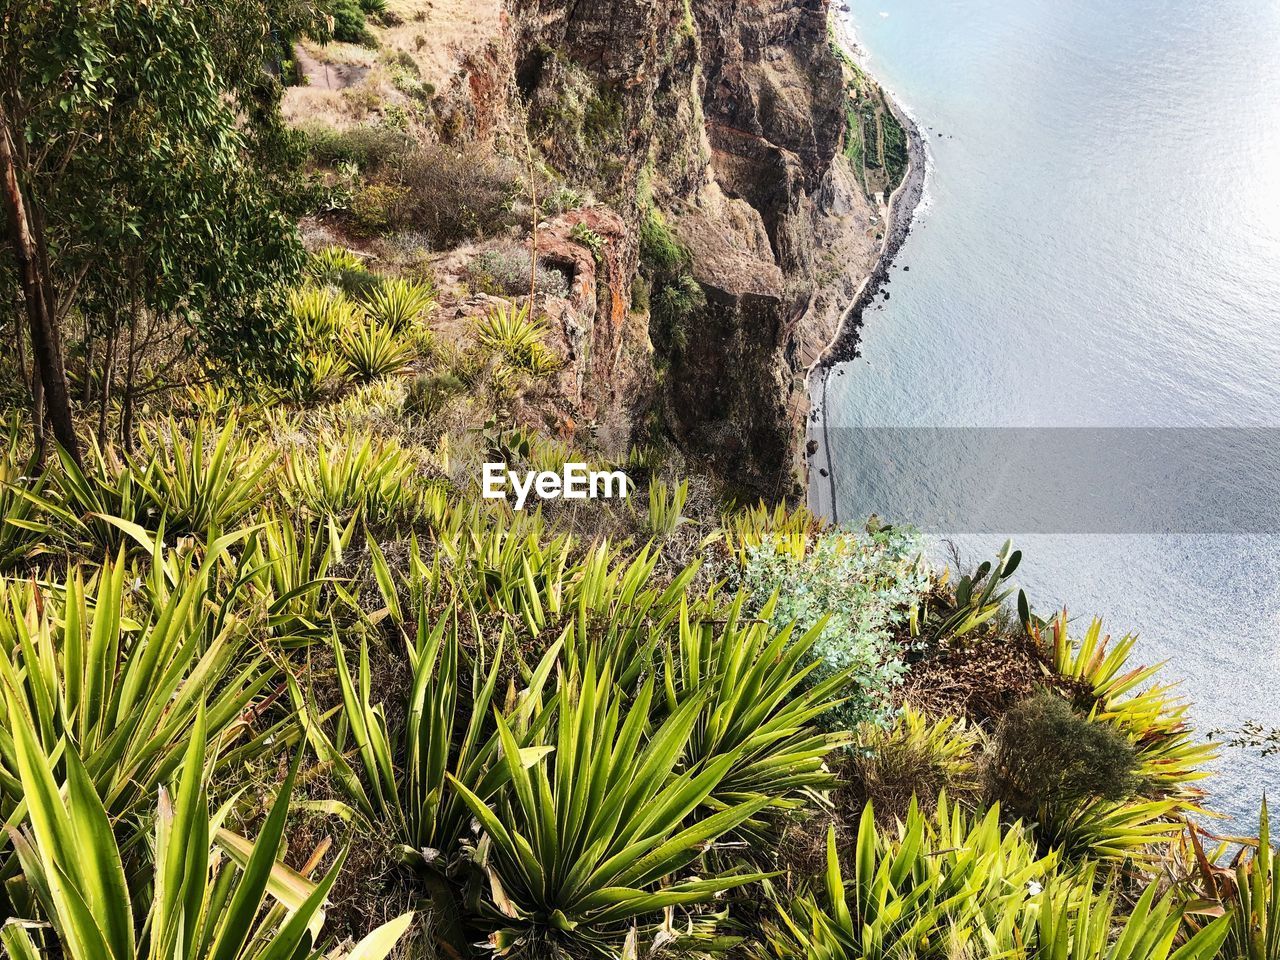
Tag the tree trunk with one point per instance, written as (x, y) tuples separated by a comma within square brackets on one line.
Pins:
[(39, 309)]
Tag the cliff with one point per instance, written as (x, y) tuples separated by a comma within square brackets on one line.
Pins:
[(741, 166)]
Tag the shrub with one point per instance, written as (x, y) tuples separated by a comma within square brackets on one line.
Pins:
[(1077, 778), (430, 393), (457, 194), (320, 315), (204, 481), (949, 887), (349, 475), (674, 296), (586, 841), (348, 23), (863, 587), (379, 207), (505, 273), (400, 304), (916, 760), (945, 884), (1046, 754), (22, 486), (510, 332), (213, 894), (371, 147)]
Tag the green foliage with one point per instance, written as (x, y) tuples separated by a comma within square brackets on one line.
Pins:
[(1048, 757), (401, 785), (371, 147), (666, 508), (97, 504), (291, 563), (511, 332), (430, 393), (1168, 757), (978, 599), (152, 192), (589, 238), (916, 760), (201, 904), (345, 22), (344, 270), (348, 475), (373, 351), (320, 315), (126, 678), (863, 587), (949, 887), (579, 847), (1249, 890), (379, 208), (400, 304), (945, 885), (22, 488), (790, 531), (675, 297), (202, 481), (757, 709)]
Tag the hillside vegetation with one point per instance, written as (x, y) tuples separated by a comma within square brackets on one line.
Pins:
[(276, 681)]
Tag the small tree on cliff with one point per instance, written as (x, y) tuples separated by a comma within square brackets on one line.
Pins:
[(133, 182)]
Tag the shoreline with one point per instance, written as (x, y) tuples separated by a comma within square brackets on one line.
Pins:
[(903, 202)]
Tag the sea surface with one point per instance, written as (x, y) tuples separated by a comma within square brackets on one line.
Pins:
[(1098, 247)]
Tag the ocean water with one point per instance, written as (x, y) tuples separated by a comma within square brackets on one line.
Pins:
[(1099, 246)]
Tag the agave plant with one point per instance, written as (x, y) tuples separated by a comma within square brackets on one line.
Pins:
[(320, 315), (594, 838), (374, 350), (204, 481), (330, 264), (757, 707), (22, 485), (316, 375), (1247, 889), (666, 508), (95, 504), (289, 563), (511, 331), (400, 304), (200, 903), (404, 769), (124, 678), (791, 531), (948, 886), (1153, 720), (1073, 923), (1255, 919), (931, 883), (349, 475)]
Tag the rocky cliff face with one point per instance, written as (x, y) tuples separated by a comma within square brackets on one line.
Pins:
[(735, 218), (730, 116)]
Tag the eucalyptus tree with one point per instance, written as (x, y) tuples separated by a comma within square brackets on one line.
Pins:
[(137, 146)]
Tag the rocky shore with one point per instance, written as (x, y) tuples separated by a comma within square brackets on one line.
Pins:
[(820, 472)]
